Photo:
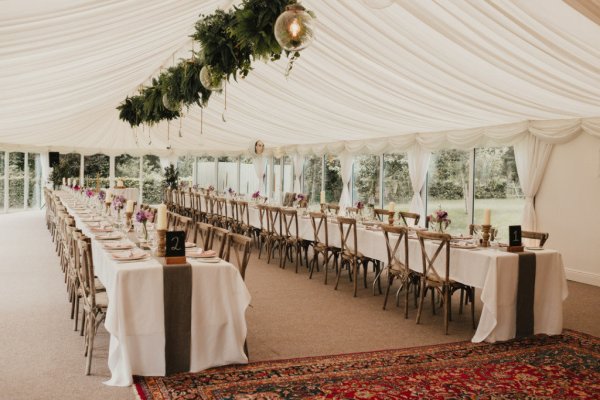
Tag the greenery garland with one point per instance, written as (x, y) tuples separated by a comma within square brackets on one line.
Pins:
[(230, 42)]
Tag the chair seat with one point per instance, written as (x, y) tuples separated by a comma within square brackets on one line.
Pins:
[(293, 239)]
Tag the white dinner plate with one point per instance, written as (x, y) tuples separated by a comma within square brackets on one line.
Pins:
[(207, 260), (534, 248)]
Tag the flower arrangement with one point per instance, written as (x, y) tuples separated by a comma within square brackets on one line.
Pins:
[(256, 195), (231, 191), (300, 197), (76, 188), (210, 188), (118, 202), (89, 193), (195, 186), (440, 217), (143, 216), (101, 195), (360, 205)]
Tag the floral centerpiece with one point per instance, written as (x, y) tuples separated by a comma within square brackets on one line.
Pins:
[(256, 195), (89, 193), (118, 202), (143, 216), (231, 192), (76, 188), (210, 189), (440, 217), (101, 195), (300, 199)]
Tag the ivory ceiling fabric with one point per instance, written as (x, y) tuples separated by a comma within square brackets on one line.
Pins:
[(432, 73)]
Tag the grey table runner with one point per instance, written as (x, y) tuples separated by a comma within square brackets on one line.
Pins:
[(525, 294)]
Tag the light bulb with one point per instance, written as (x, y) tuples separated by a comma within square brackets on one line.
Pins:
[(294, 28)]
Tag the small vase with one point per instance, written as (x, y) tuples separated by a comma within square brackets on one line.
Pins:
[(440, 227), (145, 230)]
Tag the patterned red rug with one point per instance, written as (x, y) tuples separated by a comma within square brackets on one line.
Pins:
[(566, 366)]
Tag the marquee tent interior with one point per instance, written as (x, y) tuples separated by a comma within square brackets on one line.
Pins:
[(415, 77)]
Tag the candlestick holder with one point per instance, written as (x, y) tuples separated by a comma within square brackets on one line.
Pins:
[(128, 222), (485, 234), (107, 204), (161, 238), (322, 207)]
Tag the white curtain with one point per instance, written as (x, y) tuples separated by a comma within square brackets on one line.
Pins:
[(418, 163), (260, 165), (298, 171), (531, 157), (346, 161), (45, 164)]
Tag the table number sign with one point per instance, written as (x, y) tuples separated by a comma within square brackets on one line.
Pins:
[(514, 238), (175, 247)]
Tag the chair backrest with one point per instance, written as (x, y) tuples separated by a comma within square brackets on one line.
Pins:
[(352, 211), (274, 216), (382, 214), (289, 220), (428, 261), (319, 221), (405, 214), (202, 236), (197, 202), (187, 225), (541, 236), (233, 211), (333, 208), (172, 220), (263, 216), (209, 204), (476, 229), (218, 239), (393, 243), (348, 239), (238, 252), (220, 207), (243, 215), (86, 270)]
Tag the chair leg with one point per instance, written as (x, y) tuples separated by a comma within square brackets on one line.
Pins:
[(387, 290), (446, 307), (407, 286), (421, 300), (339, 272), (355, 271), (473, 306)]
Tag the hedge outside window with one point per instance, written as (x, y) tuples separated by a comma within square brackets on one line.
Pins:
[(333, 179), (16, 180), (153, 177), (396, 181), (95, 170), (127, 168), (366, 180), (447, 187), (2, 172), (497, 188), (313, 169)]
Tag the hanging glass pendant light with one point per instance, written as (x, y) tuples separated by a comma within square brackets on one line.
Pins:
[(206, 79), (294, 28), (170, 105)]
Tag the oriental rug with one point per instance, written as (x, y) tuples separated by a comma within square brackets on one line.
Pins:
[(565, 366)]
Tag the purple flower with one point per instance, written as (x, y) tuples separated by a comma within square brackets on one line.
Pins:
[(101, 195), (211, 188), (89, 193), (144, 215), (118, 202), (256, 194), (360, 205), (76, 187), (299, 197), (231, 191)]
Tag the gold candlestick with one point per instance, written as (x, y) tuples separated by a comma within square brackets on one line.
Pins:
[(128, 215), (161, 237), (485, 234)]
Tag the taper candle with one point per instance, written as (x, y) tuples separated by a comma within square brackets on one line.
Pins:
[(161, 217)]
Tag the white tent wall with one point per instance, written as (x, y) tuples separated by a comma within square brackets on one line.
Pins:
[(567, 206)]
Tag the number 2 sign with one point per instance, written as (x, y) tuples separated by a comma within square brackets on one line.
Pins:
[(175, 244)]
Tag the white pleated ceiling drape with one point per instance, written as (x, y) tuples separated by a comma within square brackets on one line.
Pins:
[(437, 74)]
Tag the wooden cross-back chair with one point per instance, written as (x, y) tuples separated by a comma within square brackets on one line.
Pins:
[(288, 199), (221, 216), (275, 229), (238, 252), (440, 283), (198, 213), (333, 208), (218, 240), (382, 214), (396, 242), (243, 218), (404, 215), (350, 256), (187, 225), (233, 215), (352, 212), (541, 236), (94, 304), (291, 241), (209, 208), (320, 244), (172, 220), (202, 235)]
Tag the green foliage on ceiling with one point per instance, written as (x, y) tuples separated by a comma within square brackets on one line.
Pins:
[(230, 42)]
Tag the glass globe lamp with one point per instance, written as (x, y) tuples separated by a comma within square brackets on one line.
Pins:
[(294, 28), (207, 81), (169, 105)]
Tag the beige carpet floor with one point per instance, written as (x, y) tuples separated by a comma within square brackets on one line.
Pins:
[(41, 357)]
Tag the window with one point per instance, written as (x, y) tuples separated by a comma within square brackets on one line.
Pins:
[(95, 170), (287, 174), (227, 174), (313, 168), (127, 168), (16, 180), (34, 171), (248, 181), (396, 181), (497, 187), (71, 163), (333, 179), (152, 185), (185, 166), (447, 187), (366, 180), (206, 172)]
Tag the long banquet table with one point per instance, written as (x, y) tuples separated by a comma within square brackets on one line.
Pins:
[(135, 317), (493, 271)]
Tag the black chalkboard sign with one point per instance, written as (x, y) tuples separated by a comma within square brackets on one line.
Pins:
[(514, 235), (175, 244)]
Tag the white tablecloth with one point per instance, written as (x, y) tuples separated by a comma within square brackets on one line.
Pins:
[(135, 316), (493, 271)]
